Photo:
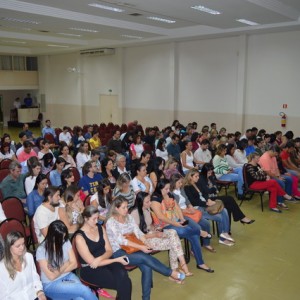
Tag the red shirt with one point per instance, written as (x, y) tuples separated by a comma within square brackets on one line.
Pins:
[(284, 155)]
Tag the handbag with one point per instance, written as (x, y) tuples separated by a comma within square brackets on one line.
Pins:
[(216, 208), (132, 238), (196, 216)]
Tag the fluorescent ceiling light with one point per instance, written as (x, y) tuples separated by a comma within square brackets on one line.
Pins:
[(59, 46), (131, 36), (114, 9), (15, 42), (20, 21), (244, 21), (69, 34), (161, 20), (205, 9), (84, 29)]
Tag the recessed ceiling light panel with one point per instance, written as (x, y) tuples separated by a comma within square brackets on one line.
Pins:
[(244, 21), (84, 29), (206, 9), (69, 34), (20, 20), (110, 8), (131, 36), (161, 20), (58, 46)]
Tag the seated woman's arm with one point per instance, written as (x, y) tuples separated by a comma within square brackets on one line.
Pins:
[(67, 267), (101, 260), (255, 175), (64, 218), (156, 207)]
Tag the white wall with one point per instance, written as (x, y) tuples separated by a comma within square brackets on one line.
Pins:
[(273, 79), (237, 82)]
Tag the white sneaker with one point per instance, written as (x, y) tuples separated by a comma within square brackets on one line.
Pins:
[(226, 243), (227, 237)]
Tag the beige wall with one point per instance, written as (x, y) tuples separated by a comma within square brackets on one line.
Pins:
[(16, 79)]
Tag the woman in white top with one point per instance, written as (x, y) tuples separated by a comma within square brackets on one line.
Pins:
[(230, 157), (240, 153), (45, 149), (136, 148), (34, 169), (102, 198), (19, 279), (141, 182), (187, 157), (6, 152), (82, 156), (161, 150), (2, 214)]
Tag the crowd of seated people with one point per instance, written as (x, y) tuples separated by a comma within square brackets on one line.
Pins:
[(159, 185)]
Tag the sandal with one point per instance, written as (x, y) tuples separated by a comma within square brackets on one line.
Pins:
[(188, 273)]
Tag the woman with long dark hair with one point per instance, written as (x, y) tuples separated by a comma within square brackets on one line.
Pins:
[(157, 171), (102, 198), (57, 261), (55, 174), (34, 169), (155, 238), (36, 197), (174, 219), (209, 190), (107, 166)]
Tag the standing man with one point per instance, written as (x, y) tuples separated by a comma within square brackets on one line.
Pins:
[(28, 101), (48, 129)]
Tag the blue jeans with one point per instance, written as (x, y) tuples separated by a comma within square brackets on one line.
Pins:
[(68, 287), (222, 219), (203, 224), (193, 235), (146, 264), (286, 185), (236, 176)]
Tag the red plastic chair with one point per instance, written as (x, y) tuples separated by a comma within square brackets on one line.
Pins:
[(4, 173), (13, 208), (10, 225), (4, 164), (87, 201)]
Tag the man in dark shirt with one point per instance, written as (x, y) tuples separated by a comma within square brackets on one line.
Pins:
[(173, 148), (28, 101), (115, 143), (150, 138)]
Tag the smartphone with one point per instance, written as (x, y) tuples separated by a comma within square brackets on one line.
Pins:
[(185, 222), (126, 259)]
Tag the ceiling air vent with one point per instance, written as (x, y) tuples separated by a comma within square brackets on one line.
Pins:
[(98, 52)]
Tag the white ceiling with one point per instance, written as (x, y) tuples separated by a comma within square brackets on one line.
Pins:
[(59, 16)]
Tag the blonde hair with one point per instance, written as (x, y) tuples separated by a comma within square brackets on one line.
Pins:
[(170, 161), (188, 177), (10, 239), (251, 156)]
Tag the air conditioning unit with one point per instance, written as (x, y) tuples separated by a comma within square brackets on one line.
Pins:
[(98, 52)]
